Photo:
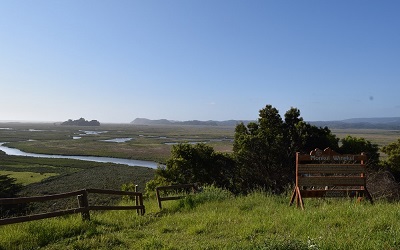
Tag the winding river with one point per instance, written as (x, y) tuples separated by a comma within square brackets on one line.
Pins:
[(129, 162)]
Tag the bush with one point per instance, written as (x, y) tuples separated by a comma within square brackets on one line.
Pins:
[(150, 190), (9, 189), (393, 158), (383, 186), (197, 163)]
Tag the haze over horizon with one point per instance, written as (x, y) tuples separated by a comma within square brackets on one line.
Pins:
[(114, 61)]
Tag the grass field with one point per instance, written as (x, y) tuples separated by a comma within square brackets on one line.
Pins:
[(380, 137), (26, 178), (215, 219)]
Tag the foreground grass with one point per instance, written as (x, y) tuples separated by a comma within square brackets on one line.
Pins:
[(216, 220)]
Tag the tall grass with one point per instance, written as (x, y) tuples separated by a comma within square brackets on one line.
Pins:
[(214, 219)]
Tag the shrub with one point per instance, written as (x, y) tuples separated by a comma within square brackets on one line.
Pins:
[(9, 189)]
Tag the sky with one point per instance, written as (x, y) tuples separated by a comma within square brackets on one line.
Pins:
[(114, 61)]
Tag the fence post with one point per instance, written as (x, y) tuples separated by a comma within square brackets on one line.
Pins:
[(158, 197), (136, 197), (84, 203), (137, 200)]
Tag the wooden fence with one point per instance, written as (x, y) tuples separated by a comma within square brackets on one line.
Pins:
[(176, 192), (83, 204)]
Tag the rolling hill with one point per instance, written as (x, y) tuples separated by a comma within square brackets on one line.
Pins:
[(392, 123)]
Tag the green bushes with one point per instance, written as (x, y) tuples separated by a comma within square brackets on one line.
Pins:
[(197, 163), (263, 155), (9, 189), (393, 158)]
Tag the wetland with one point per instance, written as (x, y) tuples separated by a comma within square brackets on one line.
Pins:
[(120, 147)]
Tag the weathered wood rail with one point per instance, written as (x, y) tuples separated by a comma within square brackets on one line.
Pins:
[(83, 204), (325, 173), (176, 195)]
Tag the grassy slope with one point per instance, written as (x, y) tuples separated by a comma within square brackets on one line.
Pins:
[(215, 220)]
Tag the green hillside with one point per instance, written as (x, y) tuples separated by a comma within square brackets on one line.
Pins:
[(214, 219)]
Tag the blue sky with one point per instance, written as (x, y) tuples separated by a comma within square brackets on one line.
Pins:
[(114, 61)]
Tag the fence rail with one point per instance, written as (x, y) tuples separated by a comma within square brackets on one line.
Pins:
[(187, 187), (325, 173), (83, 204)]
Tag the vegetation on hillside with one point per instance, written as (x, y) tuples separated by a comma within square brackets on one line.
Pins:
[(263, 154), (393, 158), (215, 219), (9, 188)]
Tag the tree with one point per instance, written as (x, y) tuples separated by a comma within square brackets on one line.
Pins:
[(9, 189), (259, 151), (263, 155), (392, 161), (265, 150), (303, 137), (197, 163), (354, 145)]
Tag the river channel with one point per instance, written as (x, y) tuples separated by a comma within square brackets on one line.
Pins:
[(129, 162)]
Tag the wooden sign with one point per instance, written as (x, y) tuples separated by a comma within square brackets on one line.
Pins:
[(325, 173)]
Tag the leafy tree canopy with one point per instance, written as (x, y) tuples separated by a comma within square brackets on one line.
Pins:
[(9, 189), (354, 145), (197, 163), (392, 161), (263, 154), (265, 150)]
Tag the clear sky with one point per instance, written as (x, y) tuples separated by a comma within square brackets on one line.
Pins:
[(114, 61)]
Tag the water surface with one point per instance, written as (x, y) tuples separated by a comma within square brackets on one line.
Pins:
[(129, 162)]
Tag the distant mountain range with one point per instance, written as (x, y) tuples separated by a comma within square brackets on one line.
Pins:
[(367, 123), (144, 121), (356, 123)]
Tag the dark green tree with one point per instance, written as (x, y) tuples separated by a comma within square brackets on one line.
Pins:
[(259, 151), (265, 150), (263, 155), (354, 145), (197, 163), (9, 189), (392, 161)]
